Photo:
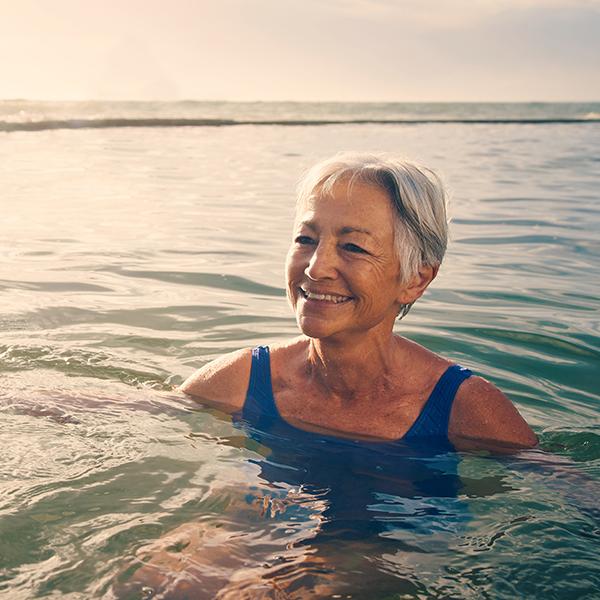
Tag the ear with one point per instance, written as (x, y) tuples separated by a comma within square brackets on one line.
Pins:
[(414, 289)]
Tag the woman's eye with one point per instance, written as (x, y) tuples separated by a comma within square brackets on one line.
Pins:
[(303, 240), (355, 248)]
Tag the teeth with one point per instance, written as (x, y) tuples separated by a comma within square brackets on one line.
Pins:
[(326, 297)]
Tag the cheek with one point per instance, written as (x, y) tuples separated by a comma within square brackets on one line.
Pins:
[(289, 265), (291, 274), (294, 264), (377, 284), (291, 293)]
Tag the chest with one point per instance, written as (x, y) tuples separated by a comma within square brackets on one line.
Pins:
[(386, 413)]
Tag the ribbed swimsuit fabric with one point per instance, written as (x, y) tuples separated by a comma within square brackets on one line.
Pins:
[(260, 410)]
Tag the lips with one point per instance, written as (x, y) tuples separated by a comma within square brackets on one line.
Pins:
[(324, 297)]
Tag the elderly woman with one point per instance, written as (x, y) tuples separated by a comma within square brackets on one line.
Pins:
[(369, 237)]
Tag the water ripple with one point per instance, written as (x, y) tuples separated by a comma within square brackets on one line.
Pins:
[(212, 280)]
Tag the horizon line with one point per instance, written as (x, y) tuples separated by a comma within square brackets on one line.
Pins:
[(289, 101)]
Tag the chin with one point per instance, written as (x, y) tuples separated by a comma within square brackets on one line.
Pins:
[(312, 328)]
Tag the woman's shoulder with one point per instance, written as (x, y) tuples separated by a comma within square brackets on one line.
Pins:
[(223, 381), (483, 417)]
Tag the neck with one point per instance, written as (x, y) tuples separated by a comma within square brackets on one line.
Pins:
[(352, 369)]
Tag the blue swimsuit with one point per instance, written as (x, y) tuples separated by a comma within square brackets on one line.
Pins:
[(260, 410), (365, 484)]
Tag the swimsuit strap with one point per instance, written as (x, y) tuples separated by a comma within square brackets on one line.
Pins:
[(434, 418), (259, 397)]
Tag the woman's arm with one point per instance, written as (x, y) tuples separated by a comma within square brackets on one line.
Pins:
[(222, 382), (483, 418)]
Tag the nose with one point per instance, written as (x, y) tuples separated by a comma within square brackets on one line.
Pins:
[(323, 263)]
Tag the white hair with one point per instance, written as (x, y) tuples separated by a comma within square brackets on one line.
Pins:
[(416, 193)]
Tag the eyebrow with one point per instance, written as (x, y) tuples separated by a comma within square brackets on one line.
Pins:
[(343, 231)]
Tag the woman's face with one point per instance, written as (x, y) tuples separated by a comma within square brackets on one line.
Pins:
[(343, 277)]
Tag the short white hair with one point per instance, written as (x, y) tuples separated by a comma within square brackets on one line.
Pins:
[(416, 193)]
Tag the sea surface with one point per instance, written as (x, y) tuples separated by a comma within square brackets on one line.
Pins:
[(140, 240)]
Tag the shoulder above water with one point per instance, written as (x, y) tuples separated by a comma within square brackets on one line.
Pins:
[(483, 417), (223, 381)]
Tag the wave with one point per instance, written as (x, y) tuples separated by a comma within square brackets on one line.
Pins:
[(10, 126)]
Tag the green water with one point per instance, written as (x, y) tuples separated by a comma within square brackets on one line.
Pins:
[(131, 257)]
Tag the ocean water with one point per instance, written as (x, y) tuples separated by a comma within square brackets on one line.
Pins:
[(140, 240)]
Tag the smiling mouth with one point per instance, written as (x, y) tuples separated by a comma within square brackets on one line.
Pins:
[(334, 298)]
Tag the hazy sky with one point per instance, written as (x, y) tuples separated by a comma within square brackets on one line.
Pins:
[(387, 50)]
